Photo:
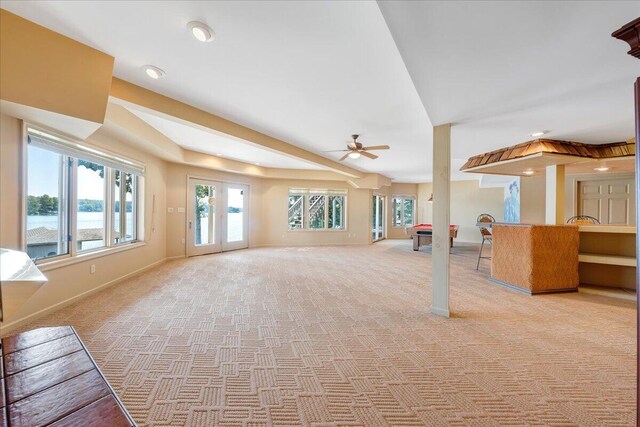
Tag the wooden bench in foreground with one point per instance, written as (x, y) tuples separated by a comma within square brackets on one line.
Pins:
[(49, 378)]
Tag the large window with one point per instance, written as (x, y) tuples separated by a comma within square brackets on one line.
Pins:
[(317, 209), (78, 199), (403, 211)]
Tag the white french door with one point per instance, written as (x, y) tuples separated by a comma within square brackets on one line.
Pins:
[(235, 218), (217, 217), (378, 222)]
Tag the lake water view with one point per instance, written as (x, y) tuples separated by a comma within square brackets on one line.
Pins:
[(85, 220), (96, 220)]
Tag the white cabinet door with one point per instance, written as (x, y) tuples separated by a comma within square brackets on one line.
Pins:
[(611, 201)]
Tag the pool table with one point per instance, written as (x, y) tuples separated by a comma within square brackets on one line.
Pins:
[(423, 233)]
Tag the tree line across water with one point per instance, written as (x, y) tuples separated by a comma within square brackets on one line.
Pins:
[(48, 205)]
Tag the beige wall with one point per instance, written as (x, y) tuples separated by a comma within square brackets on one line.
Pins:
[(10, 182), (532, 194), (268, 199), (396, 189), (468, 201), (273, 216), (71, 281)]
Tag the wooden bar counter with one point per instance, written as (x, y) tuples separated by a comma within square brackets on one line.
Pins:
[(535, 258)]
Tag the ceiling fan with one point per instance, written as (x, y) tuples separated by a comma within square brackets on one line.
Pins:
[(355, 149)]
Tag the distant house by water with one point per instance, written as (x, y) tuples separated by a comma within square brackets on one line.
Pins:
[(43, 241)]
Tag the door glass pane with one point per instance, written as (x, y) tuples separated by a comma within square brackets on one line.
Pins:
[(374, 211), (397, 212), (90, 214), (336, 212), (47, 217), (235, 215), (380, 217), (316, 211), (296, 209), (408, 212), (204, 202)]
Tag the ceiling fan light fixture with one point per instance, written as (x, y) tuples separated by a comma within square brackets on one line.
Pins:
[(354, 155), (201, 32)]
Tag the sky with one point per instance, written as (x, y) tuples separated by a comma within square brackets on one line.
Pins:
[(43, 176)]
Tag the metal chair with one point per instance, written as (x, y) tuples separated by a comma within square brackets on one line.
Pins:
[(583, 219), (486, 234)]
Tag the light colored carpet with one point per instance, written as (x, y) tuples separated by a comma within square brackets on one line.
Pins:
[(343, 336)]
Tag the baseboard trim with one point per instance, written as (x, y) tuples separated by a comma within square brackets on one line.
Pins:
[(528, 292), (440, 311), (322, 245), (12, 326)]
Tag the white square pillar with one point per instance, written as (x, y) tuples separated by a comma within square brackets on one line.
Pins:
[(441, 218), (554, 195)]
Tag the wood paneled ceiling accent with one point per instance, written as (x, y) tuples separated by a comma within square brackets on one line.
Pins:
[(557, 152), (630, 33)]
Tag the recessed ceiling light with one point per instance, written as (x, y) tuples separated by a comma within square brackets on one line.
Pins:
[(154, 72), (354, 154), (601, 169), (202, 32), (537, 134), (528, 172), (218, 154), (257, 164)]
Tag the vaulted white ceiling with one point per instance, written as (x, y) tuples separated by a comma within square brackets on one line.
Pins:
[(501, 70), (313, 73), (203, 140), (309, 73)]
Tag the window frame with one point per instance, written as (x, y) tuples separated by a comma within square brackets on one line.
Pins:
[(402, 198), (306, 194), (73, 254), (123, 212)]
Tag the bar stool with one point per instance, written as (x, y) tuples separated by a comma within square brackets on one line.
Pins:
[(583, 219), (485, 232)]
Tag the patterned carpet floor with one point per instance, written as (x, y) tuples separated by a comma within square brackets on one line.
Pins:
[(332, 336)]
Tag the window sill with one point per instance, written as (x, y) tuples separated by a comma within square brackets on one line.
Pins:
[(59, 263)]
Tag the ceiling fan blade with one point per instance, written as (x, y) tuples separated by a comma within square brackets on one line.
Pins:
[(369, 155), (344, 157), (376, 147), (334, 151)]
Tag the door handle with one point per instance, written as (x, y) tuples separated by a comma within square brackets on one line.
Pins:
[(190, 224)]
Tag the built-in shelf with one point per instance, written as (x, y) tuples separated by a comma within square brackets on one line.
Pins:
[(625, 261), (626, 229)]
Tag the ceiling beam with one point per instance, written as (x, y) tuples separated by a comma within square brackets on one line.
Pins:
[(130, 93)]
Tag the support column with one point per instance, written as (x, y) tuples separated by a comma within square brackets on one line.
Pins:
[(554, 195), (441, 217)]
